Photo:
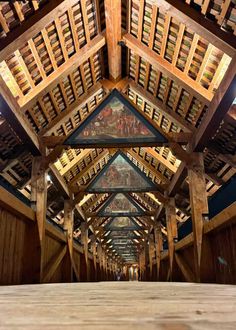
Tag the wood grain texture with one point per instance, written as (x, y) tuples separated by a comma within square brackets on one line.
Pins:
[(161, 306)]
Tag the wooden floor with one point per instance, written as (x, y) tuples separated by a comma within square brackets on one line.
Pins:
[(118, 305)]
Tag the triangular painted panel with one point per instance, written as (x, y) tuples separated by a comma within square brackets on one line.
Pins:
[(115, 121), (123, 224), (121, 175), (120, 205)]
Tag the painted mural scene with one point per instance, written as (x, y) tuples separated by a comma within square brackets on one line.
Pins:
[(123, 223), (120, 175), (120, 204), (114, 121)]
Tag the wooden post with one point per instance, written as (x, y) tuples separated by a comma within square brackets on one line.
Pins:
[(68, 226), (159, 247), (113, 36), (94, 249), (172, 231), (39, 203), (199, 205), (84, 237)]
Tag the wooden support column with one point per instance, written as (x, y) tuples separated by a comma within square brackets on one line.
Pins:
[(68, 227), (172, 230), (199, 206), (84, 237), (158, 247), (150, 252), (39, 204), (113, 36), (94, 250)]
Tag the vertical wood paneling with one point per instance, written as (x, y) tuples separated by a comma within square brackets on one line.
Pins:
[(12, 234)]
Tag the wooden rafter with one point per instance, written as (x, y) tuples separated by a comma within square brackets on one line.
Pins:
[(199, 24), (171, 71)]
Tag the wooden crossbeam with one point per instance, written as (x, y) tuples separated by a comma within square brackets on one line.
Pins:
[(195, 21), (52, 80), (53, 265), (161, 64), (184, 267)]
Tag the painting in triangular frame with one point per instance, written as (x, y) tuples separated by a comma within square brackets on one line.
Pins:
[(121, 175), (122, 224), (120, 204), (117, 122)]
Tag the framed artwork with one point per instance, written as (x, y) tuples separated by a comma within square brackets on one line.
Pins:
[(120, 204), (114, 122), (121, 175), (122, 224)]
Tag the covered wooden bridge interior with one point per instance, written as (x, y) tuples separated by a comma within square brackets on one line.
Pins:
[(174, 62)]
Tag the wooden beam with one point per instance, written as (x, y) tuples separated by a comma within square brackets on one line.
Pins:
[(197, 22), (53, 265), (216, 112), (12, 113), (52, 80), (184, 267), (72, 109), (220, 105), (39, 203), (163, 108), (68, 226), (199, 207), (99, 157), (30, 27), (158, 247), (113, 36), (161, 64), (172, 231)]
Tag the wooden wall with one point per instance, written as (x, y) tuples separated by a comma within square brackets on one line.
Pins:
[(218, 264), (12, 237)]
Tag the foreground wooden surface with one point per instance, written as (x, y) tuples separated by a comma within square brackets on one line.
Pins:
[(118, 305)]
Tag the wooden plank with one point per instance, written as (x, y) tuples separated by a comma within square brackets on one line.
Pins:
[(32, 26), (184, 267), (39, 200), (52, 80), (113, 36), (13, 204), (161, 64), (53, 265), (162, 303), (199, 24)]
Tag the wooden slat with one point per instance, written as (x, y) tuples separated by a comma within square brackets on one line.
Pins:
[(171, 71), (199, 24), (51, 81), (33, 25)]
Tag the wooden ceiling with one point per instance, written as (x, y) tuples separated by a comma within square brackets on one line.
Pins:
[(175, 61)]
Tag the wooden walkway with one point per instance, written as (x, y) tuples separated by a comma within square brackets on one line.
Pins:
[(118, 305)]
